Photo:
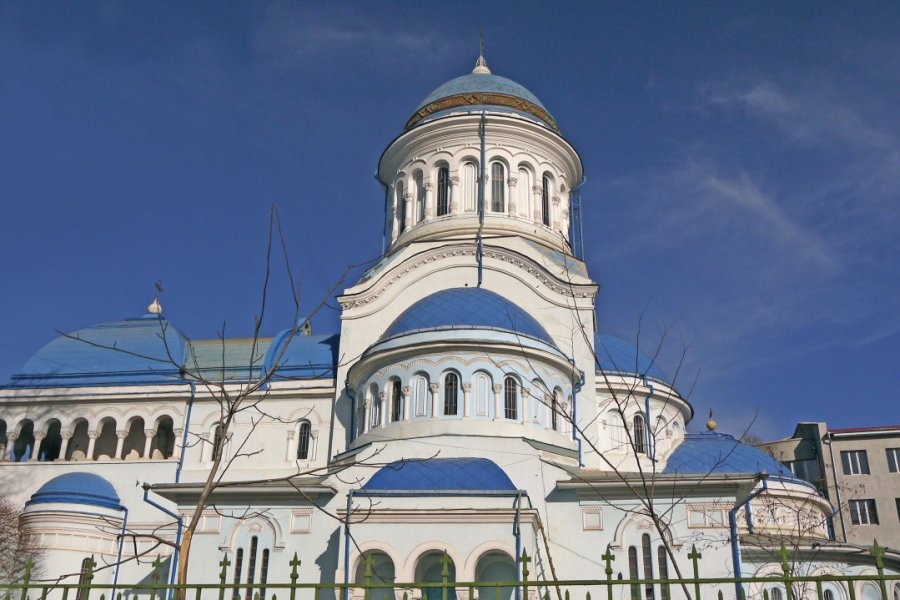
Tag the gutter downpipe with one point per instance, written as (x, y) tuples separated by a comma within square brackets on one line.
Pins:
[(347, 547), (119, 555), (184, 436), (575, 389), (735, 541), (176, 554), (837, 488), (517, 532)]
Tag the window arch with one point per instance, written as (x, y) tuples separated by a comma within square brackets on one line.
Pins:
[(495, 566), (451, 395), (511, 398), (52, 444), (428, 570), (443, 190), (396, 401), (663, 561), (536, 398), (401, 207), (136, 439), (498, 187), (162, 445), (545, 199), (616, 428), (78, 443), (304, 436), (523, 192), (419, 392), (375, 403), (383, 571), (775, 594), (829, 595), (639, 434), (555, 407), (107, 440), (23, 447), (469, 185), (481, 394)]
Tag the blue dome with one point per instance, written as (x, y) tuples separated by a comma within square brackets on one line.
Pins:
[(88, 357), (711, 452), (440, 475), (618, 356), (77, 488), (482, 89), (466, 308)]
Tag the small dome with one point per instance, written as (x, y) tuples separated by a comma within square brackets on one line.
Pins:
[(482, 89), (711, 452), (618, 356), (440, 475), (466, 308), (77, 488), (120, 352)]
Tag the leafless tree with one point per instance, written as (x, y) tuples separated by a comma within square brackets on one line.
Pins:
[(17, 544)]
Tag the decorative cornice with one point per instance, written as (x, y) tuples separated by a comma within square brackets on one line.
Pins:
[(480, 99), (505, 256)]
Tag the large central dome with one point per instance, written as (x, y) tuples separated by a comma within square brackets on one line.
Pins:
[(481, 88)]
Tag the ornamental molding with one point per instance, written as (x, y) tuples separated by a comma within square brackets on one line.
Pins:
[(481, 98), (500, 255)]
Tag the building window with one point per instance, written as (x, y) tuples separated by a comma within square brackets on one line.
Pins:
[(545, 200), (481, 390), (775, 594), (375, 421), (893, 458), (469, 186), (443, 191), (498, 189), (510, 399), (251, 567), (264, 574), (648, 566), (807, 470), (633, 573), (420, 395), (303, 441), (396, 401), (420, 196), (451, 395), (238, 563), (827, 595), (863, 512), (897, 500), (639, 434), (855, 462), (663, 572), (218, 442), (554, 409), (401, 208)]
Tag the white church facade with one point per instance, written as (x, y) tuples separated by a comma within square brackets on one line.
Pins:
[(468, 406)]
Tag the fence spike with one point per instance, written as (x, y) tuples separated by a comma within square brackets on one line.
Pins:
[(567, 595), (405, 596), (720, 595), (588, 595), (878, 553)]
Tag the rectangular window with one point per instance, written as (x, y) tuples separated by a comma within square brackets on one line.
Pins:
[(898, 508), (863, 512), (855, 462), (443, 191), (807, 470), (893, 458)]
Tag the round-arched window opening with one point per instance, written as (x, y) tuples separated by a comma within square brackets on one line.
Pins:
[(498, 567), (429, 569), (382, 573)]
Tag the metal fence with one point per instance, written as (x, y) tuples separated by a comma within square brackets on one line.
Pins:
[(781, 586)]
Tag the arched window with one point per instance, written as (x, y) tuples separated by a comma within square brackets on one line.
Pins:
[(429, 569), (218, 443), (382, 572), (396, 401), (251, 567), (24, 444), (554, 410), (3, 440), (829, 595), (545, 200), (52, 444), (481, 394), (523, 192), (633, 573), (469, 186), (443, 191), (495, 567), (419, 392), (106, 442), (536, 396), (303, 437), (498, 188), (133, 447), (163, 444), (775, 594), (639, 434), (238, 563), (663, 561), (510, 399), (648, 565), (401, 207), (375, 419), (78, 443), (451, 395), (616, 429)]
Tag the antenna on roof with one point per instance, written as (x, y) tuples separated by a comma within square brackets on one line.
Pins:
[(481, 67)]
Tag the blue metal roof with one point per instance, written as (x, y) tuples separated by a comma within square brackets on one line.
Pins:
[(440, 475), (77, 488), (466, 308), (618, 356), (711, 452), (306, 356), (86, 357), (480, 82)]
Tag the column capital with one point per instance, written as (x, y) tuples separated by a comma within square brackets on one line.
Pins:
[(406, 390), (512, 181), (434, 388), (454, 180), (121, 434), (498, 387), (150, 432), (93, 435), (536, 189), (467, 387)]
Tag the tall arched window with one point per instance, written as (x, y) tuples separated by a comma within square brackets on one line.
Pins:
[(303, 437), (396, 401), (451, 395), (510, 398), (251, 567), (481, 394), (648, 565), (401, 207), (664, 573), (545, 200), (469, 186), (554, 410), (217, 442), (639, 434), (443, 191), (523, 192), (633, 573), (238, 564), (420, 395), (498, 187), (536, 397), (375, 420)]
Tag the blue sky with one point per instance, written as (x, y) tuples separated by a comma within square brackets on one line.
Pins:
[(742, 163)]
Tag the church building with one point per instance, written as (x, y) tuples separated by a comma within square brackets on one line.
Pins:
[(470, 407)]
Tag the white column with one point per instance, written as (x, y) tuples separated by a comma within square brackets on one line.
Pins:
[(120, 443), (537, 194), (467, 394), (429, 200), (92, 439), (454, 195), (435, 388), (36, 449), (410, 217), (177, 448), (498, 406), (291, 445), (554, 213), (382, 414), (511, 196), (407, 405), (313, 443), (11, 438), (148, 433), (65, 445), (525, 414)]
